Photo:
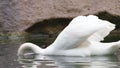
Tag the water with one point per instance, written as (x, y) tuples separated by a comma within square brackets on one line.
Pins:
[(31, 60), (10, 42), (40, 61), (9, 59)]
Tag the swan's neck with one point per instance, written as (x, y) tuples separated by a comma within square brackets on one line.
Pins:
[(29, 46)]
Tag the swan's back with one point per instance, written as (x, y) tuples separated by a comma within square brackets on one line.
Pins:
[(78, 31), (78, 34)]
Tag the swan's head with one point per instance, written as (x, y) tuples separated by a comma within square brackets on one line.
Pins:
[(27, 49)]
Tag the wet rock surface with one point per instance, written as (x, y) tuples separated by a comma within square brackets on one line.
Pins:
[(16, 15)]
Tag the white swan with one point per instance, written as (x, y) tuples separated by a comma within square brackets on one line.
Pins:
[(80, 38)]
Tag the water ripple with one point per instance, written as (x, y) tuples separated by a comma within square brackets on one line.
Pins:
[(70, 62)]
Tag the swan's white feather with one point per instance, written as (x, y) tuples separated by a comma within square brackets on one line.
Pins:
[(102, 33), (80, 38), (78, 31)]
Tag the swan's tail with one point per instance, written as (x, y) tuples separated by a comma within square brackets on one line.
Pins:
[(28, 46)]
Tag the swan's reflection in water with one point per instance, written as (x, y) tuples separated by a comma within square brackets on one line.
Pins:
[(38, 61)]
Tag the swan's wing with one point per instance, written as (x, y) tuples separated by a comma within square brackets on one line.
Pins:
[(77, 32), (102, 33), (99, 35)]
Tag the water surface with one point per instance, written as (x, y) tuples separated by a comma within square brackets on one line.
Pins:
[(39, 61), (9, 44)]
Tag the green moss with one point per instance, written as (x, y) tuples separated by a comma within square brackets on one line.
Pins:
[(12, 37)]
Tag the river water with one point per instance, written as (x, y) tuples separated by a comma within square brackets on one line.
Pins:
[(70, 62), (9, 58)]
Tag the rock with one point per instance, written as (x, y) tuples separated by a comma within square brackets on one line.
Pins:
[(21, 15)]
